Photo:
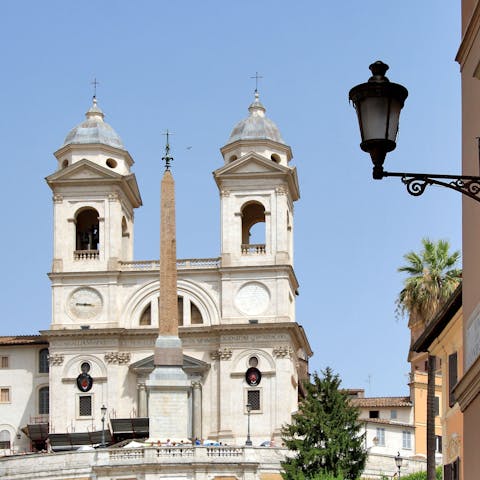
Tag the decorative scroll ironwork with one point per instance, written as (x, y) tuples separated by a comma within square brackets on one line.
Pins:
[(416, 183)]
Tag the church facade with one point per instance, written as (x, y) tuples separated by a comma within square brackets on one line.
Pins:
[(244, 354)]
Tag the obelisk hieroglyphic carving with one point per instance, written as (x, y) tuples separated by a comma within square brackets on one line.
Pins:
[(168, 385)]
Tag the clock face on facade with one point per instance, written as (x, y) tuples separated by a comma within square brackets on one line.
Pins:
[(85, 303), (252, 298)]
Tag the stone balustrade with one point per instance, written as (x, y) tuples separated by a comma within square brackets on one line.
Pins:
[(86, 255), (106, 463), (253, 249), (189, 263)]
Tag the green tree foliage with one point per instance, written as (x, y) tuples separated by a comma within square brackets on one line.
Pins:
[(432, 278), (325, 434), (423, 475)]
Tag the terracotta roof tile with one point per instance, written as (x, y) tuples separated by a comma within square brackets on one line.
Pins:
[(382, 402), (23, 340), (385, 421)]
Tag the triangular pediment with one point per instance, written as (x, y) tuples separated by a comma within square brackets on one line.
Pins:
[(251, 163), (255, 166), (190, 364), (83, 170)]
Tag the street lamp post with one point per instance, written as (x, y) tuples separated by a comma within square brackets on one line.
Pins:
[(104, 411), (398, 463), (378, 103), (249, 409)]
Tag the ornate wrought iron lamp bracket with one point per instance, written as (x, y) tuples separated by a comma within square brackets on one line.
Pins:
[(416, 183)]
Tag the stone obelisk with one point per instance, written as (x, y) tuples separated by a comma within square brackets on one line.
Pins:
[(168, 384)]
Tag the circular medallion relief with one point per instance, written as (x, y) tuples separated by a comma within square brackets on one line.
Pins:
[(252, 298), (85, 303)]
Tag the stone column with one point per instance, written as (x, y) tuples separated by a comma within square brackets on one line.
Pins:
[(142, 400), (197, 409)]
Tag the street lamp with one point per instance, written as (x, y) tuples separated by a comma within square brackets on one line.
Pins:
[(398, 463), (378, 103), (249, 409), (104, 411)]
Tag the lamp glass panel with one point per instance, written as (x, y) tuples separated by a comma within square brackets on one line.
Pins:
[(395, 107), (373, 116)]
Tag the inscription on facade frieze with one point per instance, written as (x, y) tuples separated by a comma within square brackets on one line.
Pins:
[(282, 351), (191, 341), (117, 358), (254, 338), (221, 354), (55, 359), (81, 342), (138, 342)]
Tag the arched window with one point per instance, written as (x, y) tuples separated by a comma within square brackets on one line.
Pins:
[(196, 316), (125, 239), (180, 311), (44, 401), (146, 316), (4, 439), (87, 230), (253, 228), (188, 313), (43, 366)]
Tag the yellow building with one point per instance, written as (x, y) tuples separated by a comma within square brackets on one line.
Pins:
[(443, 340)]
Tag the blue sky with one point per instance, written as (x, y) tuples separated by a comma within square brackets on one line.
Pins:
[(186, 66)]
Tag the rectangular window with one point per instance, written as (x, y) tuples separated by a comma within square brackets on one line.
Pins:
[(253, 398), (85, 406), (3, 362), (43, 401), (373, 414), (452, 377), (436, 406), (393, 414), (407, 440), (381, 437), (4, 395), (438, 443)]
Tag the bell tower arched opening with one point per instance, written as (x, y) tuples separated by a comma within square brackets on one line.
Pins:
[(87, 230), (253, 228)]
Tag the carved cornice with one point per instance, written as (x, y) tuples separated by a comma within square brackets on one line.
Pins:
[(468, 387), (469, 37), (117, 358), (57, 198), (221, 354), (282, 351), (55, 359)]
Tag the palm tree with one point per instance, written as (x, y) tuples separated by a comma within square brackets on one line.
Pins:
[(433, 277)]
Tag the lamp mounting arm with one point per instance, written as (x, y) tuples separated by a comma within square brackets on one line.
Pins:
[(416, 183)]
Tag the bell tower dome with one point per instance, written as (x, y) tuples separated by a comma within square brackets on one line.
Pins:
[(257, 187), (94, 197)]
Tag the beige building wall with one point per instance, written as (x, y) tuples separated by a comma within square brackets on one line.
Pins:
[(467, 391)]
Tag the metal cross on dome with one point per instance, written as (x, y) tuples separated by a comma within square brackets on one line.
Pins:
[(95, 83), (167, 158), (256, 77)]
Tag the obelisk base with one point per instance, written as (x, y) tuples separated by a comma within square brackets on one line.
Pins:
[(168, 387)]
